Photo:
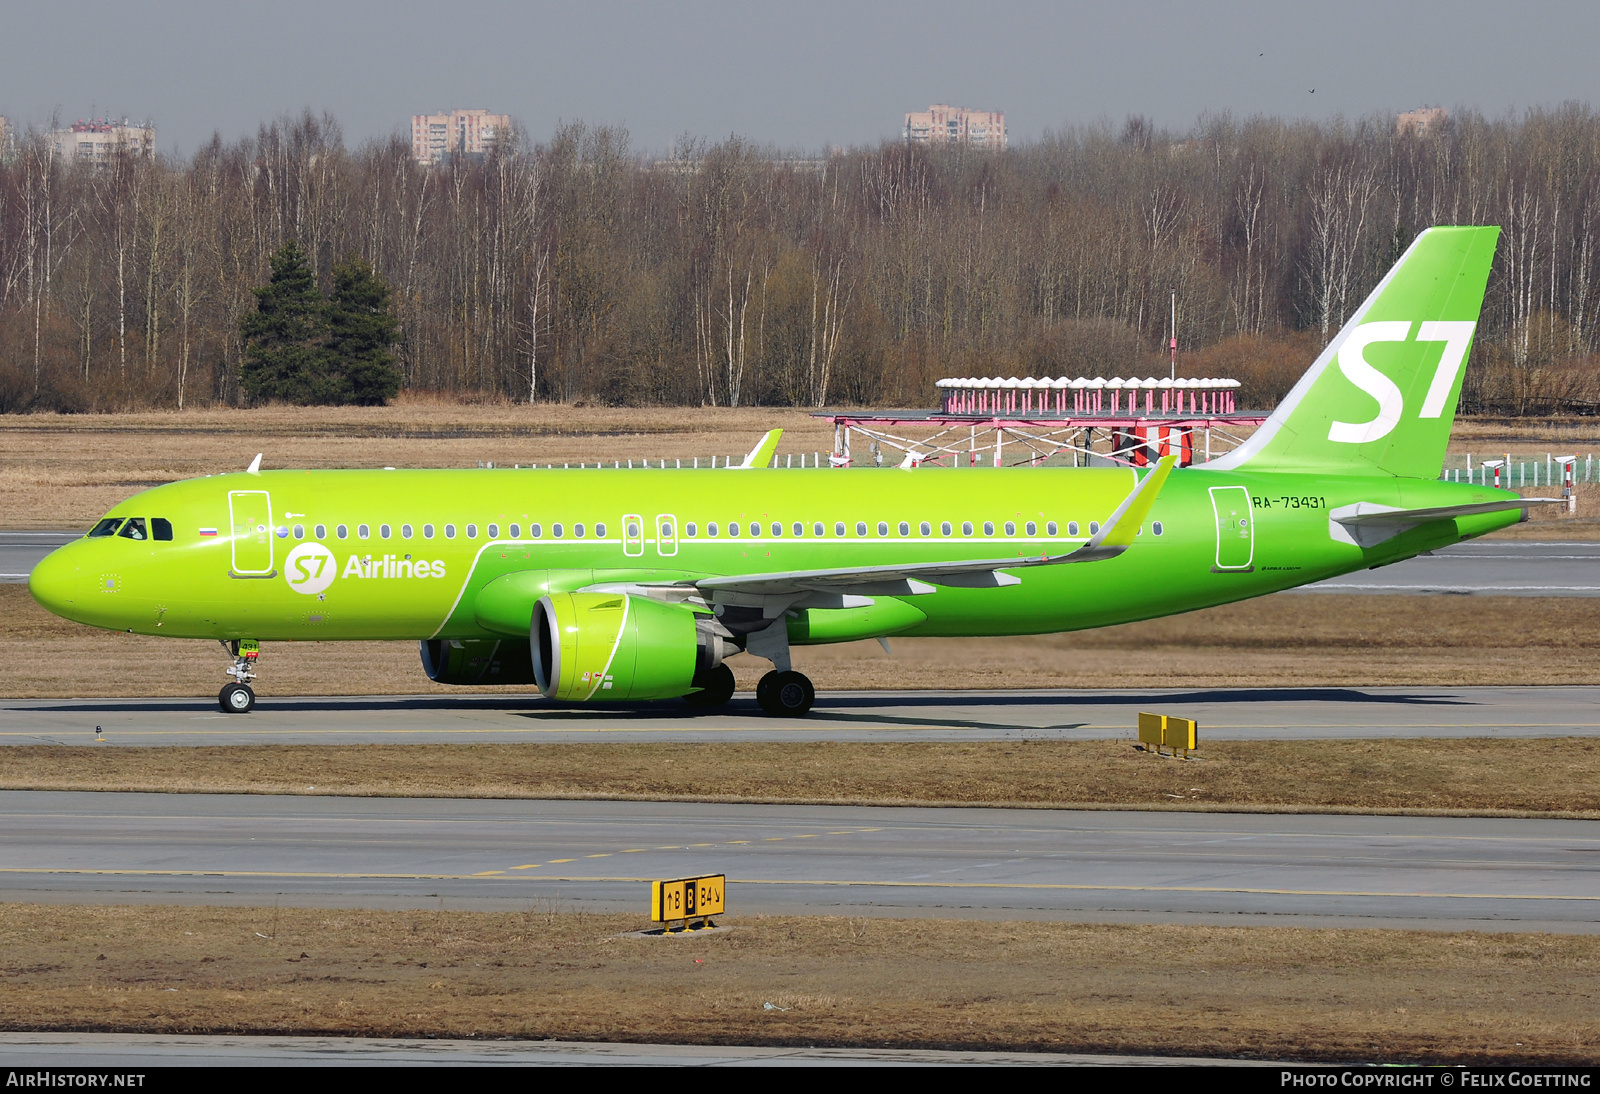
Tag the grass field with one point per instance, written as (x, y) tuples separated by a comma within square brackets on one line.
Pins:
[(1476, 776), (1274, 993), (64, 471)]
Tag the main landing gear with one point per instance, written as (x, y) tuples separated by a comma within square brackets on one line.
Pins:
[(785, 694), (237, 697)]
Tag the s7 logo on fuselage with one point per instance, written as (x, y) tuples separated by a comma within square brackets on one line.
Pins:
[(1456, 336)]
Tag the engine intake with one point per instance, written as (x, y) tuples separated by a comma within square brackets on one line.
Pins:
[(612, 646)]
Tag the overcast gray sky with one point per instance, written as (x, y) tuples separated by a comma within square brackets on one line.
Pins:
[(800, 75)]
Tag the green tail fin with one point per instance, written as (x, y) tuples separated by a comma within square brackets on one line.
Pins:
[(1388, 406)]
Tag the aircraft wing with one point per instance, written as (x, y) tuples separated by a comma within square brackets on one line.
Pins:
[(907, 579)]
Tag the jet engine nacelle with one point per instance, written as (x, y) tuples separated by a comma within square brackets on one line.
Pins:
[(477, 661), (614, 646)]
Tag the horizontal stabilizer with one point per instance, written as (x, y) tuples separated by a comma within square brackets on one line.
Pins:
[(1367, 524)]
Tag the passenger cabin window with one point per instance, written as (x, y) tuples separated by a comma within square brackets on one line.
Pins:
[(799, 529), (449, 531), (516, 530), (733, 528), (535, 531), (107, 527), (161, 529), (363, 532), (384, 531), (966, 527), (343, 531), (1094, 527), (1072, 527), (1011, 529), (633, 530), (777, 529), (555, 530), (134, 529), (988, 527), (577, 530), (755, 529), (905, 529), (925, 528), (321, 531), (883, 528), (838, 530), (299, 531), (1156, 527), (861, 527), (711, 529), (1050, 528), (494, 531), (817, 529), (1033, 529), (944, 528), (472, 531), (690, 530), (600, 531)]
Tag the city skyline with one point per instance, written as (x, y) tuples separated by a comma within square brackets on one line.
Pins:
[(835, 76)]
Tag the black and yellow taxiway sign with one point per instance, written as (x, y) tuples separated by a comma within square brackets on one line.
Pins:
[(688, 897)]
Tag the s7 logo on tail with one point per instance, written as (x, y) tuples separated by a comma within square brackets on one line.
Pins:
[(1456, 337)]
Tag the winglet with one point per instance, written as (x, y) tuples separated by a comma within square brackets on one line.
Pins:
[(762, 453), (255, 465), (1124, 524)]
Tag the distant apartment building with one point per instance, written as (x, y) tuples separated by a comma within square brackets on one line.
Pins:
[(1421, 122), (99, 140), (942, 124), (435, 137)]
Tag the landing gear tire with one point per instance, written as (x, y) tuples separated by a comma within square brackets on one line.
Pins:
[(236, 699), (716, 688), (785, 694)]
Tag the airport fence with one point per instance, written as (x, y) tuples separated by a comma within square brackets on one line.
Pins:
[(1517, 471)]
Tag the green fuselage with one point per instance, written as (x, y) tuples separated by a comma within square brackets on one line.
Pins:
[(241, 562)]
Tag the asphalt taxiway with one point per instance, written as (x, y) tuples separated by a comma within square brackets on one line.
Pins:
[(1062, 714), (1099, 866)]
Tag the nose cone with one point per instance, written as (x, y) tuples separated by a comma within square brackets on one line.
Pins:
[(58, 583)]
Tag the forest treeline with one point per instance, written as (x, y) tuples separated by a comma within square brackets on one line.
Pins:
[(725, 274)]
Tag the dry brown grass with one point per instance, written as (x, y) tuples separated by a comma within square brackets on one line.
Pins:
[(1478, 776), (1249, 992), (64, 471), (1291, 639)]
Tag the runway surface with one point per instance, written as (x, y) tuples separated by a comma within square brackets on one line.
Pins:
[(135, 1050), (1224, 714), (1481, 568), (20, 552), (1216, 868)]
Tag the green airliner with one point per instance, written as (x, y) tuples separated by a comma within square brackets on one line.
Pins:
[(603, 584)]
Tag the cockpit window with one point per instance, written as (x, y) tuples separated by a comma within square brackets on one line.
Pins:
[(134, 529), (106, 527), (160, 528)]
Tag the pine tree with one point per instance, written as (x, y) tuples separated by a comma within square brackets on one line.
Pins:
[(285, 357), (360, 331)]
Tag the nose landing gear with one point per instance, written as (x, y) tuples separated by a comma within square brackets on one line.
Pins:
[(237, 697)]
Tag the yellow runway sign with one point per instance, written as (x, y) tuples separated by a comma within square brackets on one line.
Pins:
[(688, 898)]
